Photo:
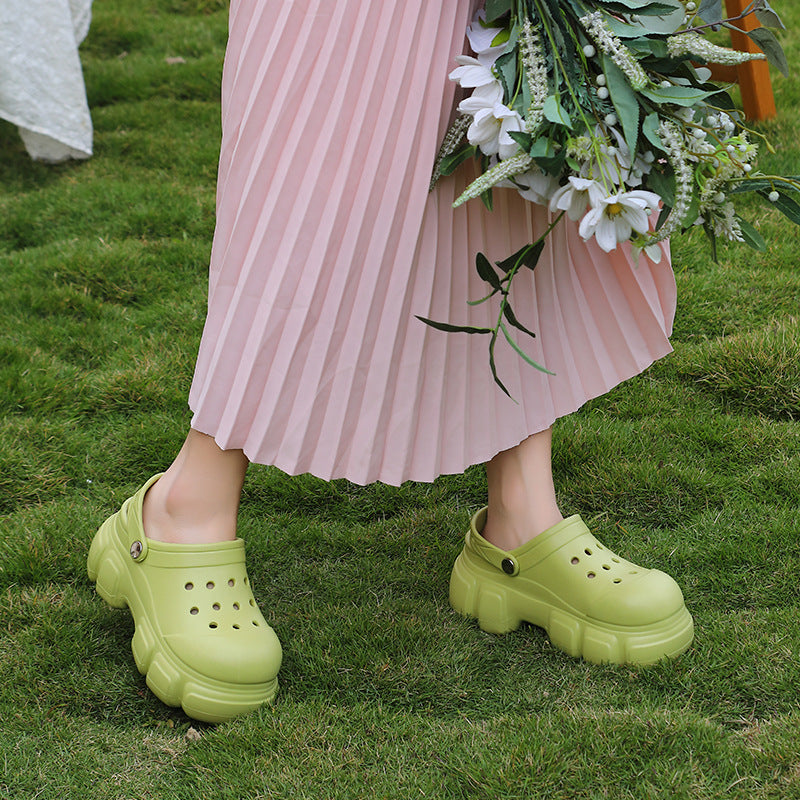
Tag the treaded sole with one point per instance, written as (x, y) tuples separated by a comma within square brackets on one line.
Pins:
[(172, 681), (493, 607)]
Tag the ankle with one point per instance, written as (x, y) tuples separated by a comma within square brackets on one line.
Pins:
[(509, 529), (173, 514), (522, 497)]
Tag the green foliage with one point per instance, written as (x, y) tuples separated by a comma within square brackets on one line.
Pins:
[(527, 256), (612, 92)]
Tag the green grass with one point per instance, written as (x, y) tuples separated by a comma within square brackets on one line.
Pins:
[(693, 466)]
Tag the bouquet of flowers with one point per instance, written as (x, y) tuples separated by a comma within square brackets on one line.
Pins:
[(602, 110)]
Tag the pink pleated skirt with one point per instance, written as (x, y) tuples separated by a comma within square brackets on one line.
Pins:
[(328, 244)]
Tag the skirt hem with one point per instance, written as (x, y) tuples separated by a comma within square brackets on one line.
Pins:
[(231, 442)]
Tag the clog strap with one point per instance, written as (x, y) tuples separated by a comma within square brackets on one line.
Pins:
[(130, 527), (210, 555), (512, 562)]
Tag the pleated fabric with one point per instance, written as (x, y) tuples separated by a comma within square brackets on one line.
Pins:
[(328, 244)]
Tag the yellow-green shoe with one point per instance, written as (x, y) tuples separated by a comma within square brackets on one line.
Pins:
[(591, 602), (200, 638)]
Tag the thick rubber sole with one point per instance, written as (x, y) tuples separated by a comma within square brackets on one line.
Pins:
[(500, 609), (170, 679)]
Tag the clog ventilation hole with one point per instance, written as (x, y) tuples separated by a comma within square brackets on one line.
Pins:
[(591, 574), (216, 606)]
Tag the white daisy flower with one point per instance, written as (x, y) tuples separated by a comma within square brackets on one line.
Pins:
[(490, 128), (481, 37), (537, 186), (576, 195), (471, 73), (487, 96), (615, 218)]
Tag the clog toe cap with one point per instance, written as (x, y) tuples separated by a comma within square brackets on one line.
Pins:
[(642, 599), (238, 657)]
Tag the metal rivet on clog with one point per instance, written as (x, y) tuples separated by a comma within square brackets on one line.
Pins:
[(508, 566), (136, 550)]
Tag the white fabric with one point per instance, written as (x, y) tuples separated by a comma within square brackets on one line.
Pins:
[(41, 81)]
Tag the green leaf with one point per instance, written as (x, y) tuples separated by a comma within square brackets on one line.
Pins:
[(663, 216), (751, 185), (656, 8), (663, 185), (497, 8), (531, 255), (783, 184), (486, 271), (751, 236), (678, 95), (761, 184), (493, 366), (785, 204), (546, 156), (448, 328), (555, 112), (650, 130), (506, 69), (527, 256), (454, 160), (710, 11), (648, 48), (513, 37), (501, 38), (511, 317), (771, 47), (768, 17), (487, 199), (667, 23), (724, 102), (482, 299), (523, 139), (625, 103), (625, 30), (712, 238), (507, 264), (520, 352), (543, 147)]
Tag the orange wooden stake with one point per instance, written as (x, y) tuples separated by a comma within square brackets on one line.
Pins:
[(753, 76)]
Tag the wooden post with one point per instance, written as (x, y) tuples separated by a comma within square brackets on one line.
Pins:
[(752, 76), (757, 97)]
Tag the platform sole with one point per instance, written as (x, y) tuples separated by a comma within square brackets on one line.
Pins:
[(501, 609)]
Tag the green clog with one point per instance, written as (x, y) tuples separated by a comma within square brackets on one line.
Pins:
[(200, 638), (591, 602)]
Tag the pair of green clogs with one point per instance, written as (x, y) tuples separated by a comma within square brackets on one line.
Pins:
[(203, 643)]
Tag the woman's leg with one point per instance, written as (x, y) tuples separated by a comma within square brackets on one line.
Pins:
[(522, 498), (197, 499)]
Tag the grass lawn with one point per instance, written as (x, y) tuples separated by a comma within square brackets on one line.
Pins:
[(694, 467)]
